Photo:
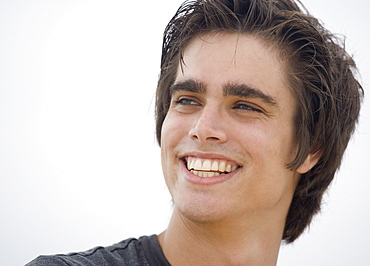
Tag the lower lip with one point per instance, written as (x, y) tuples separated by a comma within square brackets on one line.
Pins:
[(206, 181)]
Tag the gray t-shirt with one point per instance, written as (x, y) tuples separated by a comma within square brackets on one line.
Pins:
[(133, 252)]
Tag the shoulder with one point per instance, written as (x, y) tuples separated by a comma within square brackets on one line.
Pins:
[(47, 260), (126, 252)]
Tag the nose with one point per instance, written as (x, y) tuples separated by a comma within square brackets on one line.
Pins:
[(209, 127)]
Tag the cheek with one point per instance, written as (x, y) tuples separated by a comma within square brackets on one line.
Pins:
[(166, 140), (171, 129), (267, 144), (174, 129), (279, 146), (172, 133)]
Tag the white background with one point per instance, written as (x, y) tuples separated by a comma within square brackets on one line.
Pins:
[(79, 164)]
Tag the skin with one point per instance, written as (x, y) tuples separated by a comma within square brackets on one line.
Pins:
[(230, 102)]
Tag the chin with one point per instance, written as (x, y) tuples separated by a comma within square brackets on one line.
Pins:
[(201, 209)]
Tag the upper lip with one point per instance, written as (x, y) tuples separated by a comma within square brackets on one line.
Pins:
[(208, 155)]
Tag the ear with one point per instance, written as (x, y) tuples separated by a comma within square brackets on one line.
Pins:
[(310, 162)]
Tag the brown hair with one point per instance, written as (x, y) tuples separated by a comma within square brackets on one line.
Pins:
[(320, 75)]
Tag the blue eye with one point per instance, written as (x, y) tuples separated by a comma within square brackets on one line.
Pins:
[(243, 106), (186, 101)]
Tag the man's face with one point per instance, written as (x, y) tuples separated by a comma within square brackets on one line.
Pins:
[(228, 134)]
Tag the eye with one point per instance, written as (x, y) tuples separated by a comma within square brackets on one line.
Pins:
[(186, 101), (185, 104), (247, 107)]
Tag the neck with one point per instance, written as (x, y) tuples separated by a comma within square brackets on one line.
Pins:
[(187, 242)]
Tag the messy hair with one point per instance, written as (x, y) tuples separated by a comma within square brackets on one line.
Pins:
[(320, 74)]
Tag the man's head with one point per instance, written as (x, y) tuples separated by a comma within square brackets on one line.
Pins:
[(318, 71)]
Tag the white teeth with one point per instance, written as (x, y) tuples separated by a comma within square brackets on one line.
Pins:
[(210, 174), (198, 164), (206, 174), (222, 166), (208, 167), (190, 163), (214, 166)]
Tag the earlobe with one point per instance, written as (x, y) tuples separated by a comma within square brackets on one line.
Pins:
[(309, 163)]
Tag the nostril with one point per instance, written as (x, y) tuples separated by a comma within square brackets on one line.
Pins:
[(212, 138)]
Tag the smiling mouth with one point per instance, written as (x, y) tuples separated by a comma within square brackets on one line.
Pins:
[(209, 167)]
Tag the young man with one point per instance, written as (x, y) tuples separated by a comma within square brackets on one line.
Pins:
[(256, 103)]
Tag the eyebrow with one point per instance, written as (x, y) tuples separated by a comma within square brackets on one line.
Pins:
[(246, 91), (188, 85), (229, 89)]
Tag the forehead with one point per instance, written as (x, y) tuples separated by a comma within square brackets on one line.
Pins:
[(232, 44), (217, 59)]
